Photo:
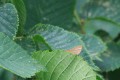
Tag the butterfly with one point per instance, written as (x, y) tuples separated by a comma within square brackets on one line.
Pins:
[(76, 50)]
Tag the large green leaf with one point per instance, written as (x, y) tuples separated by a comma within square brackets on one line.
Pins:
[(19, 4), (55, 12), (15, 59), (93, 25), (55, 37), (89, 58), (27, 43), (51, 37), (109, 60), (8, 19), (108, 9), (102, 8), (64, 66), (94, 45)]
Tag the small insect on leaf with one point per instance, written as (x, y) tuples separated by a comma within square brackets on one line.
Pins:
[(76, 50)]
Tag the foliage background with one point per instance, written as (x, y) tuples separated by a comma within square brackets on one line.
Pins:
[(27, 26)]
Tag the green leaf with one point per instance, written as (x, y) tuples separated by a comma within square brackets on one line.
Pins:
[(94, 45), (19, 4), (101, 8), (88, 57), (8, 19), (99, 77), (56, 38), (16, 60), (93, 25), (50, 37), (64, 66), (27, 44), (41, 43), (109, 60), (80, 3), (55, 12)]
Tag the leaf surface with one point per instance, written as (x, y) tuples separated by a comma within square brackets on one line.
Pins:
[(56, 38), (51, 38), (16, 60), (94, 45), (93, 25), (8, 19), (108, 10), (64, 66), (19, 4), (54, 12), (109, 60)]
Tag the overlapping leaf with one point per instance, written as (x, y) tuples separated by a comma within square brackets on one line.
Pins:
[(27, 44), (94, 45), (15, 59), (64, 66), (103, 8), (8, 19), (109, 60), (55, 12), (107, 9), (93, 25), (19, 4), (51, 37), (55, 37)]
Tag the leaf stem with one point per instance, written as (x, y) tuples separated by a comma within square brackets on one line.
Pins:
[(106, 76), (80, 22)]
